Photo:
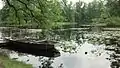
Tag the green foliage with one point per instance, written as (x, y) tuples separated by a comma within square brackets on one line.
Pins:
[(80, 12), (86, 12), (94, 10), (51, 13), (113, 7), (31, 13), (67, 11), (113, 21), (8, 63), (109, 14)]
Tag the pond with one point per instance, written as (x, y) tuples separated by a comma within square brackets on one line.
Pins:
[(78, 50)]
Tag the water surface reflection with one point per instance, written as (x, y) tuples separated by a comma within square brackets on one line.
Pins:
[(78, 50), (83, 56)]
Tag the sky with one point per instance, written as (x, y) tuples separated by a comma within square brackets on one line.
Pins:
[(87, 1), (1, 4)]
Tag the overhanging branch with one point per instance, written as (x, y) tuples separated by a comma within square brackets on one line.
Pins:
[(31, 11), (12, 6)]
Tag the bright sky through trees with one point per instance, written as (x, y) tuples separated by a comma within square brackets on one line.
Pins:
[(1, 4), (87, 1)]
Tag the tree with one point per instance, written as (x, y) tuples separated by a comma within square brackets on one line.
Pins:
[(113, 7), (86, 12), (37, 13), (80, 12), (67, 11), (109, 14)]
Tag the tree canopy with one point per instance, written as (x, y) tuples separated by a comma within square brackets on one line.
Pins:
[(35, 13), (46, 13)]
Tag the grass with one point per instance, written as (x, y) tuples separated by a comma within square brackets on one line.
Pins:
[(5, 62)]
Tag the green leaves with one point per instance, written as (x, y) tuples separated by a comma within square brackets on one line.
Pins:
[(39, 13), (47, 13), (67, 11)]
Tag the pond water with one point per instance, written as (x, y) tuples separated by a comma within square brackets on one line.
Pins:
[(78, 50), (86, 56)]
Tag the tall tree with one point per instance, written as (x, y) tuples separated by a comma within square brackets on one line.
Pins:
[(80, 12), (67, 11), (86, 12), (37, 13), (109, 14), (113, 7)]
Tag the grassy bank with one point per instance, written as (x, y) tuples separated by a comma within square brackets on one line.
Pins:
[(5, 62)]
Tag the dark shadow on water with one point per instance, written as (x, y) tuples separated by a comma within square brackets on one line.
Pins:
[(51, 52)]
